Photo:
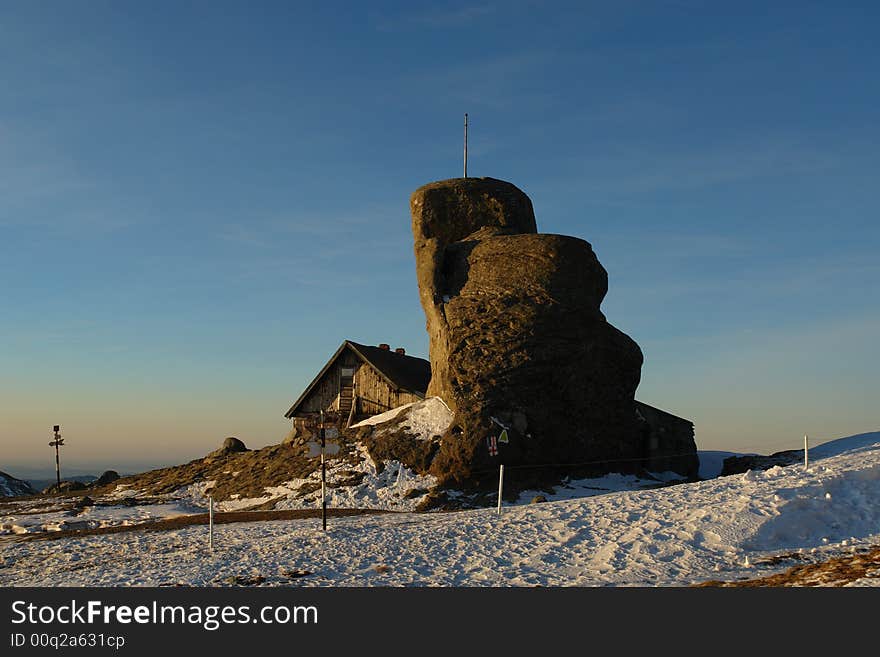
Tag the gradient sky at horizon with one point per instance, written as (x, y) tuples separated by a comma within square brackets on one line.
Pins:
[(200, 201)]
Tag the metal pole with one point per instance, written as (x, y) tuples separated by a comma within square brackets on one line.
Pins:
[(500, 486), (465, 143), (806, 452), (323, 478), (56, 444), (57, 462)]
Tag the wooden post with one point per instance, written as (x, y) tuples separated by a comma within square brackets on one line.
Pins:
[(57, 464), (56, 444), (806, 452), (323, 477), (351, 413), (465, 143), (211, 522), (500, 486)]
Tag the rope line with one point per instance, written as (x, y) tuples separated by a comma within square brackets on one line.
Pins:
[(528, 466)]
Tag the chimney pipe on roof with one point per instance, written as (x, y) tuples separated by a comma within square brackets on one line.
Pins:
[(401, 351), (385, 346)]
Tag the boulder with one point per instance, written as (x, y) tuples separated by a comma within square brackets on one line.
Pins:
[(231, 445), (517, 339), (64, 487), (108, 477), (298, 435), (443, 213), (84, 501)]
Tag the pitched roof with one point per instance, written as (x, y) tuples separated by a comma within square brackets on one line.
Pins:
[(402, 372)]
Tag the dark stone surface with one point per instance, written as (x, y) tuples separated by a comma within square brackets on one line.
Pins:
[(516, 334), (108, 477), (84, 502), (741, 464), (65, 487), (230, 446)]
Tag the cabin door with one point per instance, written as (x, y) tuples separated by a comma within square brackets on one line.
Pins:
[(346, 390)]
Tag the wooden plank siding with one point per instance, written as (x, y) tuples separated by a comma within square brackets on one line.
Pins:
[(373, 394)]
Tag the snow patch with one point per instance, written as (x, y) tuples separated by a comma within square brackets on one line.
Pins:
[(425, 419)]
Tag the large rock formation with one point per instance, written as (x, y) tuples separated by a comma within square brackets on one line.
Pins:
[(517, 339)]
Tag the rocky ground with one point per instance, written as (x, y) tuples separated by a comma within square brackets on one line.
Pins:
[(859, 569)]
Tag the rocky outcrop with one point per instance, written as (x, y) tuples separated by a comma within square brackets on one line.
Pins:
[(741, 464), (517, 339), (65, 487), (108, 477), (444, 213), (299, 435), (231, 445)]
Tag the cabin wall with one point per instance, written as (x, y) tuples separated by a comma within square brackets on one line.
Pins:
[(668, 442), (325, 396), (375, 395)]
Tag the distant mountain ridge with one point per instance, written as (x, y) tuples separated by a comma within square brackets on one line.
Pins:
[(12, 487), (42, 484)]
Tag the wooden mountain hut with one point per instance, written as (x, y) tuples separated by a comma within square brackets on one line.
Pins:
[(359, 381)]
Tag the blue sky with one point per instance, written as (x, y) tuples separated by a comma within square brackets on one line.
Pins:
[(199, 201)]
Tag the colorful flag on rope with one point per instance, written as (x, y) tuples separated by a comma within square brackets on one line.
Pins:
[(493, 445), (503, 437)]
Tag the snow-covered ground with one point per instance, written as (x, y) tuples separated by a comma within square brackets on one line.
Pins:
[(724, 528), (91, 517), (394, 487)]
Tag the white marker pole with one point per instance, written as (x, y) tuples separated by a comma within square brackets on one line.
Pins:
[(500, 486), (806, 452), (323, 476), (211, 522)]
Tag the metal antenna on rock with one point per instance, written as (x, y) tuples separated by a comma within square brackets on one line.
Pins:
[(465, 143)]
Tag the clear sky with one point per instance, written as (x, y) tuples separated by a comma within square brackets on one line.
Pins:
[(200, 200)]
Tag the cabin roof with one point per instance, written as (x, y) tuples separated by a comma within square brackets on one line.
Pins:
[(402, 372), (662, 412)]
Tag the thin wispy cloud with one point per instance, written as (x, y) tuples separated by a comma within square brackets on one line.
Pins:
[(319, 228), (245, 236), (762, 281), (32, 169), (632, 171), (499, 82), (43, 189)]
